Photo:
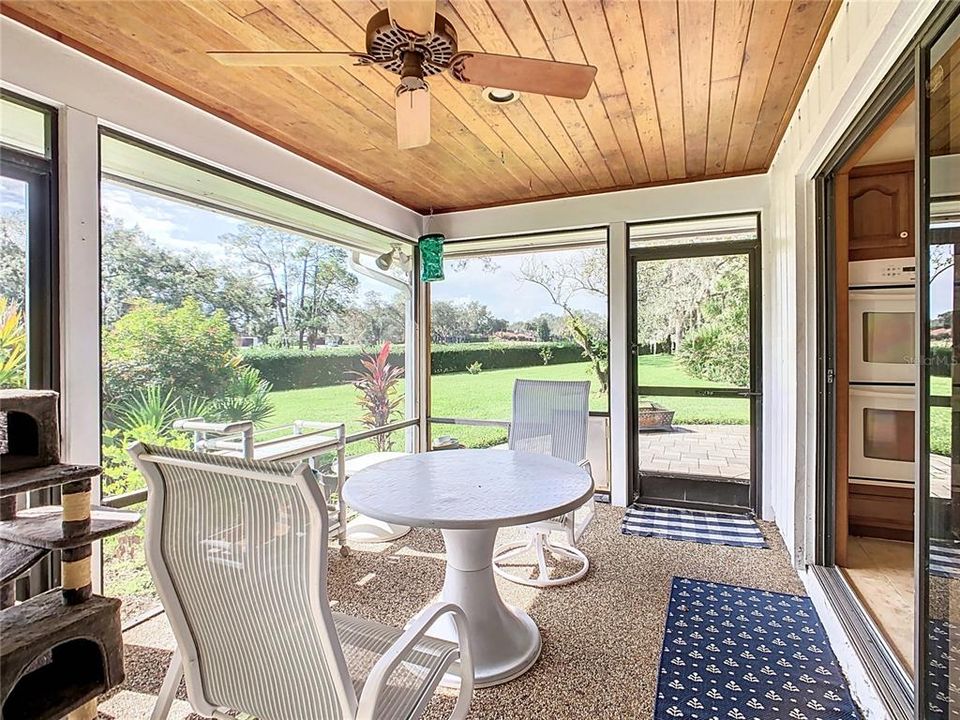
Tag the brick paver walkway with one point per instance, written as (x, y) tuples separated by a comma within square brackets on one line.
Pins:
[(724, 451), (716, 450)]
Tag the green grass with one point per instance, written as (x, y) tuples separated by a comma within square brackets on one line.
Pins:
[(664, 369), (488, 396)]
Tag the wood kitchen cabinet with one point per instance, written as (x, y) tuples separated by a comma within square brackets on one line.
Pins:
[(881, 211)]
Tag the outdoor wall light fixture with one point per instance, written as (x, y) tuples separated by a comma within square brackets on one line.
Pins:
[(393, 254)]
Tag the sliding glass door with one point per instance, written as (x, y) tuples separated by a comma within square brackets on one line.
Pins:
[(938, 509)]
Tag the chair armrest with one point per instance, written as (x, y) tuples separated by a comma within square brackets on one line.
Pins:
[(377, 680), (585, 465), (219, 428)]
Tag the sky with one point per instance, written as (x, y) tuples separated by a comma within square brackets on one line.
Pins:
[(501, 289), (181, 227), (178, 226)]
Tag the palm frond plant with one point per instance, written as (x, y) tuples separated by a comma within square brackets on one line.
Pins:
[(379, 395), (150, 411), (246, 397)]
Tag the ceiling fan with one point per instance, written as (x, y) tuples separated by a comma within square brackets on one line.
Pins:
[(411, 40)]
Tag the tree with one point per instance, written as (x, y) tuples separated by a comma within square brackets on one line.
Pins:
[(718, 348), (670, 294), (183, 350), (307, 282), (543, 330), (324, 295), (457, 321), (584, 273), (374, 321), (134, 266)]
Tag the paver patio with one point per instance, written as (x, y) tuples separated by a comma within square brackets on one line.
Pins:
[(715, 450)]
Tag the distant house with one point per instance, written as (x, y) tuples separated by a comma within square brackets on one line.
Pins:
[(511, 336)]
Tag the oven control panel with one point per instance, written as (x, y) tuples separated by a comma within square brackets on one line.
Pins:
[(894, 271)]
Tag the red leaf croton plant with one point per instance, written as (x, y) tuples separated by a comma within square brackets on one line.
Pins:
[(379, 396)]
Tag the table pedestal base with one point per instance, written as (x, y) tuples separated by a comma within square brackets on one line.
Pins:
[(505, 640), (363, 529)]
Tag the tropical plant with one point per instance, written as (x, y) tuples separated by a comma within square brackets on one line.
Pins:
[(13, 345), (475, 368), (246, 397), (546, 354), (149, 411), (120, 475), (379, 397)]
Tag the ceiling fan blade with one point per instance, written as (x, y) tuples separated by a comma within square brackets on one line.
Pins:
[(285, 59), (416, 16), (544, 77), (413, 119)]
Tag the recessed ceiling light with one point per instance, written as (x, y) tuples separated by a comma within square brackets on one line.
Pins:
[(498, 96)]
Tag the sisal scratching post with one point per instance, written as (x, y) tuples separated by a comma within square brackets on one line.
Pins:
[(77, 583), (87, 711)]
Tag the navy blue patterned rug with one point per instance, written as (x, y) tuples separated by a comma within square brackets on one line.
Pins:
[(735, 653), (941, 656), (693, 525)]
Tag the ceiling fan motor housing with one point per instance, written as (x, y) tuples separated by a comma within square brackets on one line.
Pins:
[(389, 45)]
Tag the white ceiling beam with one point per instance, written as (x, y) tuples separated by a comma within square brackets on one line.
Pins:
[(668, 202)]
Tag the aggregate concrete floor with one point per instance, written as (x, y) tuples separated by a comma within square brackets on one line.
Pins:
[(601, 636)]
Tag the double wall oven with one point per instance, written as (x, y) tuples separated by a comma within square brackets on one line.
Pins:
[(882, 332)]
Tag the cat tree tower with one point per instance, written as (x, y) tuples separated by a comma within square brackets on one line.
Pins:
[(63, 648)]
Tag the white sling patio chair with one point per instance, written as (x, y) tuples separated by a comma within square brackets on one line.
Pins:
[(550, 417), (238, 551)]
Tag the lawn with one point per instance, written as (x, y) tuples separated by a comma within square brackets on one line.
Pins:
[(487, 396)]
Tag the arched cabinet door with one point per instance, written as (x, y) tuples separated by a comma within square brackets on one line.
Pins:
[(881, 211)]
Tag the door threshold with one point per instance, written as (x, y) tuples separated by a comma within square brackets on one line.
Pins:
[(885, 671)]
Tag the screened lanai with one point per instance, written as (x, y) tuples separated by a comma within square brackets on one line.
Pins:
[(339, 381)]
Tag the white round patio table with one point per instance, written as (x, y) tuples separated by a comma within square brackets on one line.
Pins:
[(469, 495)]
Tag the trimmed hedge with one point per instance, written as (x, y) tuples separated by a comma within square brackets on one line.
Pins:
[(940, 358), (291, 369), (495, 356)]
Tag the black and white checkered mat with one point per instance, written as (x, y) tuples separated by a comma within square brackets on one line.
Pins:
[(693, 525)]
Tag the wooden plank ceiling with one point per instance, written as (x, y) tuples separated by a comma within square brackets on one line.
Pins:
[(684, 90)]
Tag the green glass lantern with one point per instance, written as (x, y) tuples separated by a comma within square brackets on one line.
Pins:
[(431, 257)]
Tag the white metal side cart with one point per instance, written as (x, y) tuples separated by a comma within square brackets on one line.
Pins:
[(302, 440)]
